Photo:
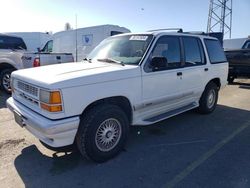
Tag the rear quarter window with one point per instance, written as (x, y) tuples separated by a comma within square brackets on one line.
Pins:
[(215, 51), (9, 42)]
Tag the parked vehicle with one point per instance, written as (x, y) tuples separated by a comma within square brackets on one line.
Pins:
[(14, 56), (239, 62), (128, 79), (82, 41), (33, 40)]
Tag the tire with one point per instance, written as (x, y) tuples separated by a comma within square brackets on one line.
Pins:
[(209, 98), (230, 79), (103, 123), (68, 148), (5, 80)]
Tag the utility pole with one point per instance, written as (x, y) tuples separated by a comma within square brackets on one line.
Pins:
[(76, 41), (220, 17)]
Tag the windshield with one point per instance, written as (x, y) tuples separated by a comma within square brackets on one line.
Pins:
[(127, 49)]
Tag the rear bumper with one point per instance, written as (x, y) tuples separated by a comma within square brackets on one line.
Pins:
[(55, 133)]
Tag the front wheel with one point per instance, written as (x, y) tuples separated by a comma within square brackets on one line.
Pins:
[(102, 133), (209, 98), (5, 80)]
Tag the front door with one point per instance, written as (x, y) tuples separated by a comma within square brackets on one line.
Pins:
[(161, 89)]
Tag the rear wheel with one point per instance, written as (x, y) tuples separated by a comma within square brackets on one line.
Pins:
[(5, 80), (102, 133), (209, 98)]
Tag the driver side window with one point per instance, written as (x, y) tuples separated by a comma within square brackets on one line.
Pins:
[(168, 47)]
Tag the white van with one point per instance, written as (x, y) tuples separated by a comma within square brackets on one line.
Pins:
[(33, 40), (82, 41)]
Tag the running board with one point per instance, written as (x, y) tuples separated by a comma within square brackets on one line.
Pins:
[(171, 113)]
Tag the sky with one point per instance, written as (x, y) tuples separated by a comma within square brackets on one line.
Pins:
[(136, 15)]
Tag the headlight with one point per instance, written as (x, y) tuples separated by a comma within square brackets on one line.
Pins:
[(50, 100)]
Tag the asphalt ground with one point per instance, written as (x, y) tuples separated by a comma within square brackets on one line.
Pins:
[(188, 150)]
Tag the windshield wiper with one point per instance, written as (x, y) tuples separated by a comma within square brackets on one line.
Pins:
[(87, 59), (20, 47), (110, 60)]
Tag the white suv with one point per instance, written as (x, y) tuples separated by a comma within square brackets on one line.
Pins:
[(128, 79)]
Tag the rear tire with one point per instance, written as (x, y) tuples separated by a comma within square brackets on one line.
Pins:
[(209, 98), (230, 79), (5, 76), (102, 132)]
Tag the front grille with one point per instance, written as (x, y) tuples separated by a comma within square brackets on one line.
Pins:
[(29, 89), (29, 98)]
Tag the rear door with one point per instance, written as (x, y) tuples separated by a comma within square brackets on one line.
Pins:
[(195, 70), (246, 54)]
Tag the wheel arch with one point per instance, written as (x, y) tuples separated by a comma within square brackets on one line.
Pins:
[(4, 66), (121, 101), (216, 81)]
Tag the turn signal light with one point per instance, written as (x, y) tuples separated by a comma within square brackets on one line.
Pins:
[(56, 108), (55, 97)]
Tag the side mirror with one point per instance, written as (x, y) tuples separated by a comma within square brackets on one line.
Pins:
[(38, 50), (159, 63)]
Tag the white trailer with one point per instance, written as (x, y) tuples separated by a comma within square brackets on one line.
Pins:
[(82, 41), (33, 40)]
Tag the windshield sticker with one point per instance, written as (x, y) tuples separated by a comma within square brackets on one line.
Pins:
[(139, 37)]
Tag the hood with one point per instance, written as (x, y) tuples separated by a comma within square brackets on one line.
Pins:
[(75, 74)]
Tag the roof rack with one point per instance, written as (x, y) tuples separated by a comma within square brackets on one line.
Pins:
[(179, 30), (196, 32)]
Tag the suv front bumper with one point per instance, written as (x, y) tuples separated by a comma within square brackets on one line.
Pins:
[(55, 133)]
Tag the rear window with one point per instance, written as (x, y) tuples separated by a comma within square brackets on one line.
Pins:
[(215, 51), (7, 42)]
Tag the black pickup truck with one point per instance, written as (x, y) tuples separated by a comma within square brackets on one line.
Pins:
[(239, 62)]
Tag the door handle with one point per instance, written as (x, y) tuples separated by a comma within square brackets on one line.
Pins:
[(179, 73), (206, 69)]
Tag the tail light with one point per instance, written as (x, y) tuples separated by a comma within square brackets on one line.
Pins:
[(36, 62)]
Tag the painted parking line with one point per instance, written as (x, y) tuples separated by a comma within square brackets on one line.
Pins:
[(178, 143), (179, 177)]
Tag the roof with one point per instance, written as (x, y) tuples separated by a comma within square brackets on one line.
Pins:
[(4, 35)]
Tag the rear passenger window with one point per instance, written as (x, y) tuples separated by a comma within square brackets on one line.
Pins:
[(194, 54), (168, 47), (215, 51)]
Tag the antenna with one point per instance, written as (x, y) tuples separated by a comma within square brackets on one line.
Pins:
[(220, 17)]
